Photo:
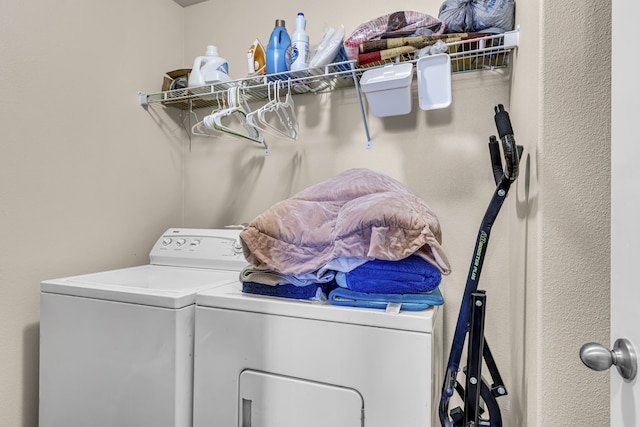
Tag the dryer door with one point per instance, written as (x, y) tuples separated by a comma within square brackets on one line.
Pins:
[(268, 400)]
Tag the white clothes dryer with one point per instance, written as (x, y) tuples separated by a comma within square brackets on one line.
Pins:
[(116, 347), (275, 362)]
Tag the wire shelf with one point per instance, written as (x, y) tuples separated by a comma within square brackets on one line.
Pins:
[(258, 88), (482, 53)]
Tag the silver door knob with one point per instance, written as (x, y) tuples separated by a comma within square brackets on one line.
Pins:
[(600, 358)]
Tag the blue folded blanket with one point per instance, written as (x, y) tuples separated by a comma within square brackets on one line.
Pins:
[(409, 275), (315, 291), (410, 302)]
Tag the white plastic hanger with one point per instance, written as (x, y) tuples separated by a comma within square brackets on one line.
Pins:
[(288, 109), (237, 114), (254, 117), (277, 117), (205, 127)]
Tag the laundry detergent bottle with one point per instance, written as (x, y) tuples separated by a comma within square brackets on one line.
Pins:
[(209, 69), (279, 42), (300, 44)]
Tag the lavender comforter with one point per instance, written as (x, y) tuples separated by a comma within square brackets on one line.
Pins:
[(358, 213)]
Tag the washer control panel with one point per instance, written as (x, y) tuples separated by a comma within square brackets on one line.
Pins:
[(200, 248)]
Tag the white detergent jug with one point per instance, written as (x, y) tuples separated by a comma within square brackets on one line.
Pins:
[(209, 69)]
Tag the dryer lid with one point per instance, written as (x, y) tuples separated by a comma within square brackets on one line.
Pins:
[(155, 285), (230, 296)]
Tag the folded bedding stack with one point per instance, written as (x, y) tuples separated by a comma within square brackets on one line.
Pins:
[(411, 282), (361, 237), (316, 292), (263, 281)]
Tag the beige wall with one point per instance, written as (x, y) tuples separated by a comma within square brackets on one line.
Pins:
[(573, 164), (441, 155), (89, 178)]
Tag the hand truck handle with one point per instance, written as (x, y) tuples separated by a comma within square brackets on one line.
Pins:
[(509, 147)]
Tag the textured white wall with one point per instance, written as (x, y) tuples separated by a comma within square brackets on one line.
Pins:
[(574, 222), (561, 96)]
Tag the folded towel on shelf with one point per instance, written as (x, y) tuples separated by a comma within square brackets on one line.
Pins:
[(409, 302), (410, 275), (315, 291), (267, 276)]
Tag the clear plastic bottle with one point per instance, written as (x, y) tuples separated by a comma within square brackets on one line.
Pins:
[(300, 44), (277, 49)]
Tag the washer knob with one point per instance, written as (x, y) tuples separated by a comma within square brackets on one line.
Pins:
[(237, 246)]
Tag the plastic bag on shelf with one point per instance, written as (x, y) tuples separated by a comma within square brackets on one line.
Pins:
[(397, 24), (328, 48), (489, 16), (434, 49)]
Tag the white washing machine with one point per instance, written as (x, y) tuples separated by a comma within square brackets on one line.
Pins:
[(116, 347), (272, 362)]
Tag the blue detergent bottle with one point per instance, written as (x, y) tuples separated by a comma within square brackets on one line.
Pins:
[(277, 49)]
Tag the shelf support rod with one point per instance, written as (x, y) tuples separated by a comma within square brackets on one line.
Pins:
[(356, 83)]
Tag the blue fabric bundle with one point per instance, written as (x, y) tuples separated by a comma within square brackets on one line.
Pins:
[(409, 275), (409, 302), (289, 291)]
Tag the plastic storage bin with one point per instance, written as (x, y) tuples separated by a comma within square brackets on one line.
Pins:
[(388, 89), (434, 81)]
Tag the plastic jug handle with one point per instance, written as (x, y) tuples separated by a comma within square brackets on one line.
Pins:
[(197, 63)]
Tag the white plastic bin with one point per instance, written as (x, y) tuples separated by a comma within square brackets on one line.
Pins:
[(388, 89), (434, 81)]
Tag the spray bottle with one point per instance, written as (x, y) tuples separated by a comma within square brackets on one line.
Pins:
[(300, 44)]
